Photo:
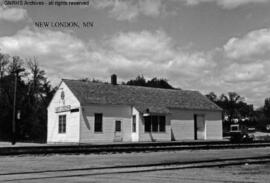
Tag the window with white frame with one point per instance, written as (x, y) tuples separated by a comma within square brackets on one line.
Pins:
[(62, 124)]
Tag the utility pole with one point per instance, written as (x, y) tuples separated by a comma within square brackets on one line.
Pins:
[(14, 109)]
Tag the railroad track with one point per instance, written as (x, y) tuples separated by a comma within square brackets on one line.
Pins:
[(127, 147), (49, 174)]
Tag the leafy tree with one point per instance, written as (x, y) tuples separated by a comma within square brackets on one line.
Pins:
[(159, 83), (3, 65), (154, 83), (266, 108), (35, 103), (230, 104), (139, 81), (13, 71), (260, 118), (212, 96), (234, 106), (33, 95), (245, 110)]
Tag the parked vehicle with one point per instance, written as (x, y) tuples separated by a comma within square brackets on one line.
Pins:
[(241, 133)]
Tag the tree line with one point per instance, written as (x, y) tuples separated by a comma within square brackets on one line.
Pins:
[(140, 81), (33, 95), (235, 107), (154, 82)]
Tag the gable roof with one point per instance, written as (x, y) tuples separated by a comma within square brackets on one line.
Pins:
[(157, 100)]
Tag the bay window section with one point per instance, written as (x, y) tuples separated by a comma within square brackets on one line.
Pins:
[(147, 124), (162, 124), (154, 123)]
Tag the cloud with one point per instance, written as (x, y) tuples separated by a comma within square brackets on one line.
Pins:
[(27, 41), (127, 54), (130, 9), (244, 64), (254, 43), (227, 4), (54, 49), (154, 45), (13, 14), (245, 72), (151, 53), (154, 53)]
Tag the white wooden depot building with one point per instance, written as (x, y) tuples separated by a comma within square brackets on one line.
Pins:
[(86, 112)]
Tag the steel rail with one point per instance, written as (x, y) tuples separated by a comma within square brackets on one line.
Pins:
[(126, 147), (133, 168)]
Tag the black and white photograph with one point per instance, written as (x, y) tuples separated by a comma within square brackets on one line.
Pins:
[(127, 91)]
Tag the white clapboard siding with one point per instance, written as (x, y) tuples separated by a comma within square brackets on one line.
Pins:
[(214, 130), (183, 124), (110, 113), (72, 119), (182, 129), (135, 135)]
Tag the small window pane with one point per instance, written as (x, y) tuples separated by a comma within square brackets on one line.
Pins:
[(98, 122), (147, 124), (134, 123), (162, 123), (154, 122), (118, 126)]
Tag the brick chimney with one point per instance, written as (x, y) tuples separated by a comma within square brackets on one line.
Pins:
[(114, 79)]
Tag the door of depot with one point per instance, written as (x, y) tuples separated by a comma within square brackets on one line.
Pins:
[(200, 132), (118, 131)]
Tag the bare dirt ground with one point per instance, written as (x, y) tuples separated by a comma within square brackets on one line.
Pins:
[(235, 174), (93, 168)]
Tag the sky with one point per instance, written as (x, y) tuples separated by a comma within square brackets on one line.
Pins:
[(206, 45)]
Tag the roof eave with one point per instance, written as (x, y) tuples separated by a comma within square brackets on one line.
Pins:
[(183, 108)]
